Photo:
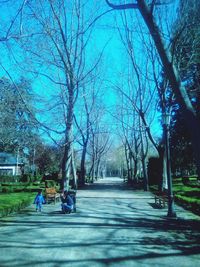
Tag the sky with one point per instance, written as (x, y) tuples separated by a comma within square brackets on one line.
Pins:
[(114, 62)]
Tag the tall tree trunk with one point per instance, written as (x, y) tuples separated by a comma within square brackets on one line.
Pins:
[(67, 157), (144, 169), (98, 168), (131, 166), (83, 171), (93, 170), (66, 166), (135, 169), (127, 163), (73, 166)]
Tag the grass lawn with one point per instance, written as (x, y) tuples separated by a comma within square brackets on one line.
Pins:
[(187, 196), (13, 202)]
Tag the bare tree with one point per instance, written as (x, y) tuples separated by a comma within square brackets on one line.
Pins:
[(190, 116), (85, 120), (99, 143), (58, 53)]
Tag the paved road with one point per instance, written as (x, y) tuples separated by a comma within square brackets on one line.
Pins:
[(113, 226)]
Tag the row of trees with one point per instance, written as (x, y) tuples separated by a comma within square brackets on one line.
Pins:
[(52, 39), (52, 42), (167, 75)]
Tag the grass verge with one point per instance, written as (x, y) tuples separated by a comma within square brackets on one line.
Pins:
[(14, 202), (187, 196)]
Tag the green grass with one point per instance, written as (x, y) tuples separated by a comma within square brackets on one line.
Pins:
[(187, 196), (14, 202)]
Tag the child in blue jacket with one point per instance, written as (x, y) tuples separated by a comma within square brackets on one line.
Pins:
[(39, 200)]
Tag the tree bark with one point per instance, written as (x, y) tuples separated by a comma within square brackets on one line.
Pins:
[(82, 170), (67, 157), (73, 166)]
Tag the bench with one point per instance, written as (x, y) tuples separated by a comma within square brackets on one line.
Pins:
[(51, 195), (161, 199)]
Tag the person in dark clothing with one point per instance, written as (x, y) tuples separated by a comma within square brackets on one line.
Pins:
[(67, 205)]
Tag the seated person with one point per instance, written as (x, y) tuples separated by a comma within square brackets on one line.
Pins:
[(67, 203)]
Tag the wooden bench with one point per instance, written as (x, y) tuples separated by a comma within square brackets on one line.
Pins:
[(161, 199), (51, 195)]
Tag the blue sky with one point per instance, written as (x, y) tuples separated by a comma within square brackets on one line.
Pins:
[(114, 62)]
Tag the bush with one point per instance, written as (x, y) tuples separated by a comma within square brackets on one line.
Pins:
[(154, 171), (10, 178), (32, 189), (28, 178), (36, 183), (50, 183), (38, 177), (7, 189)]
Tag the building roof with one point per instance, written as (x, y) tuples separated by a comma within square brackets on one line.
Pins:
[(9, 159)]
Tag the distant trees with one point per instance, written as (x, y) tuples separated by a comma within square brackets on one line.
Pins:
[(186, 54), (89, 113), (181, 147), (179, 89), (17, 123), (137, 99), (185, 49), (53, 41), (98, 147)]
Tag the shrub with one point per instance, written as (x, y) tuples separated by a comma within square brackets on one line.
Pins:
[(50, 183), (38, 177), (27, 178), (36, 183), (154, 171), (7, 189), (10, 178), (32, 189)]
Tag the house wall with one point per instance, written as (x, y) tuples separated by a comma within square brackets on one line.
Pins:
[(10, 170)]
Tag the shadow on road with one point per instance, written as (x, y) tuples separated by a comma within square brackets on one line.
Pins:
[(106, 230)]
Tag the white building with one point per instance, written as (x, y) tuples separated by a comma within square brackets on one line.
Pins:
[(10, 164)]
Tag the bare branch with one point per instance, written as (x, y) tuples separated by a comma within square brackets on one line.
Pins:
[(122, 7)]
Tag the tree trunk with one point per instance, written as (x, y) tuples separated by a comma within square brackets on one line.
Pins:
[(66, 167), (135, 170), (83, 171), (93, 170), (128, 164), (67, 157), (98, 168), (131, 166), (73, 166)]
